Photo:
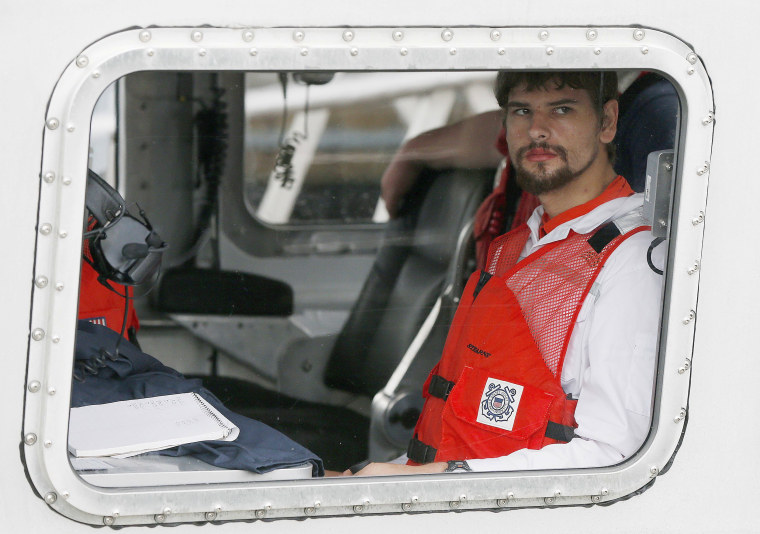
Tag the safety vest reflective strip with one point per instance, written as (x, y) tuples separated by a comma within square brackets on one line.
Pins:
[(505, 350)]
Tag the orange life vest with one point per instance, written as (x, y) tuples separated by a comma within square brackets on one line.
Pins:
[(100, 305), (497, 386)]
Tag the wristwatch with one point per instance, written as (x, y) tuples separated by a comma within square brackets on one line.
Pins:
[(457, 465)]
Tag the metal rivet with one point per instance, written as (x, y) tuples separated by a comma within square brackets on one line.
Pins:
[(638, 34), (354, 51), (415, 500), (591, 35), (108, 520), (708, 119), (463, 498), (52, 124), (543, 35), (690, 71), (51, 391), (501, 51), (495, 35), (453, 51), (597, 51), (398, 35), (454, 504), (309, 510), (404, 51), (653, 471), (46, 228), (605, 492), (96, 74), (596, 498), (685, 367), (691, 58), (501, 502), (260, 513), (406, 506), (689, 318), (358, 508), (70, 128), (703, 169), (304, 51), (197, 36), (447, 35), (62, 234), (34, 386), (247, 36), (253, 51), (549, 50), (150, 52), (298, 35), (82, 61), (145, 36), (59, 286), (159, 518), (694, 268), (56, 339), (644, 49), (210, 516), (668, 167), (30, 439), (48, 443), (317, 504), (202, 52), (51, 497), (49, 177), (66, 180), (681, 415), (38, 334), (348, 35), (698, 219), (549, 500)]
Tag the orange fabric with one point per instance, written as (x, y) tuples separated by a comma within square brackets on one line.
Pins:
[(506, 348), (100, 305), (618, 188)]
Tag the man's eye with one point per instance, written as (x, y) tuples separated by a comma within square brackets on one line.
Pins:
[(562, 110), (521, 111)]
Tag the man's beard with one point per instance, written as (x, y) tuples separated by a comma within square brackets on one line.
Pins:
[(541, 182)]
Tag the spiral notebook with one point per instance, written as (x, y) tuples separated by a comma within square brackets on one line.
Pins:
[(127, 428)]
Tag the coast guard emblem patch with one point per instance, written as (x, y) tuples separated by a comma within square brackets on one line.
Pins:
[(498, 403)]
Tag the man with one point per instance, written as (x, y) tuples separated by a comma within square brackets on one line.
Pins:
[(550, 359)]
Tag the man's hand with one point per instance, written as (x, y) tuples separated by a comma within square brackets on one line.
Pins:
[(381, 469)]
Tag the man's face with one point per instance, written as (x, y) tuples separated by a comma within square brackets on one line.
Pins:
[(555, 135)]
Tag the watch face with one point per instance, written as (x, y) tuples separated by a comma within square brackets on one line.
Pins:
[(456, 465)]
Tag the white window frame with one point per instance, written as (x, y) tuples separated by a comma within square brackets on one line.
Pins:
[(58, 254)]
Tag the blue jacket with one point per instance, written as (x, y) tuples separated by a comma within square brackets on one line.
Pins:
[(100, 379)]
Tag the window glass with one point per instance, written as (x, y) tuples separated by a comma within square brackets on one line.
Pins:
[(349, 125)]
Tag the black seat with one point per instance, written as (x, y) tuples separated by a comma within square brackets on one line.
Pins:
[(405, 281)]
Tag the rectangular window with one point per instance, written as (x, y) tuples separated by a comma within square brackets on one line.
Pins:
[(287, 281)]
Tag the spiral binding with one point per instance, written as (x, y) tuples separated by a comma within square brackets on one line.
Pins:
[(211, 413)]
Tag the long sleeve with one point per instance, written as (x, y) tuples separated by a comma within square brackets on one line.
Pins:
[(609, 367)]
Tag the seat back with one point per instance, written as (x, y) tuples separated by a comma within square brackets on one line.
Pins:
[(406, 279)]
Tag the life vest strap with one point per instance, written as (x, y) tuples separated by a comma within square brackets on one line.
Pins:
[(419, 452), (559, 432), (440, 387), (422, 453)]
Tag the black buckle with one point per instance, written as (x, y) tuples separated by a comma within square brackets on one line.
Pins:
[(440, 387), (420, 452)]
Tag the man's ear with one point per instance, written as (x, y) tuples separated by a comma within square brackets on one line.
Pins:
[(609, 121)]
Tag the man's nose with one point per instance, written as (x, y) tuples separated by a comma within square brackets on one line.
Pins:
[(539, 128)]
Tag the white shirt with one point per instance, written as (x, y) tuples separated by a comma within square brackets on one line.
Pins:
[(611, 357)]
